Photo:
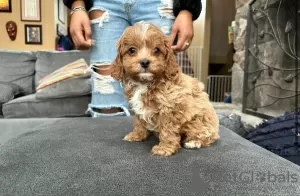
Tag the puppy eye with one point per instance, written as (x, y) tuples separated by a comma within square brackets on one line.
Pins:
[(131, 51), (156, 50)]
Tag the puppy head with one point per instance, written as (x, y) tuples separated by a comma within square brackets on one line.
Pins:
[(144, 55)]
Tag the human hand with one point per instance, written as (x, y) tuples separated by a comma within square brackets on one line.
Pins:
[(183, 27), (80, 30)]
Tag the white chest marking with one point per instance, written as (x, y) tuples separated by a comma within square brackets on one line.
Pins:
[(136, 100), (139, 108)]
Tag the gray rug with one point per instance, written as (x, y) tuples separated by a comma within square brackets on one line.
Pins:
[(85, 156)]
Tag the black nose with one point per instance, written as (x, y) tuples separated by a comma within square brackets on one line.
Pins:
[(145, 63)]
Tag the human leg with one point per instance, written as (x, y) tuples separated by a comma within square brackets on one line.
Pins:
[(108, 23), (157, 12)]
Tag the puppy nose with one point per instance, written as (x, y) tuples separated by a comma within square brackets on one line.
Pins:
[(145, 63)]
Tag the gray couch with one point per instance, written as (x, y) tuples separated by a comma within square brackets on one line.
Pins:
[(20, 72), (87, 156)]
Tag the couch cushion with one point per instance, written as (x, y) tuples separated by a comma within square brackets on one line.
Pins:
[(18, 67), (10, 128), (30, 107), (7, 92), (66, 88), (49, 61), (87, 156)]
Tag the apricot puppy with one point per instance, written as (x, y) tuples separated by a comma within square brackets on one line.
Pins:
[(164, 100)]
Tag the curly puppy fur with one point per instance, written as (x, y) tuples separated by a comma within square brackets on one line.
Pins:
[(166, 101)]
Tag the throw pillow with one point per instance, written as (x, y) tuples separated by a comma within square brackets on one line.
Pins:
[(49, 61), (71, 87), (76, 68)]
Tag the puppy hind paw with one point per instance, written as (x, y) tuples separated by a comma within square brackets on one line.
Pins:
[(192, 144)]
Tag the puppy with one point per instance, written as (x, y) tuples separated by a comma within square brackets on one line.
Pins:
[(164, 100)]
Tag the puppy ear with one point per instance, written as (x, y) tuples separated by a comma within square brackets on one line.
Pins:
[(172, 68), (117, 65)]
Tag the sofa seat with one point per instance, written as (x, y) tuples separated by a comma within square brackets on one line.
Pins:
[(30, 107), (87, 156)]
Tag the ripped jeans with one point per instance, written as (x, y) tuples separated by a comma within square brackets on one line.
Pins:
[(106, 30)]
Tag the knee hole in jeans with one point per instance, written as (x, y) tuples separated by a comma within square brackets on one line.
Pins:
[(102, 68), (102, 84), (99, 16), (96, 13), (166, 10)]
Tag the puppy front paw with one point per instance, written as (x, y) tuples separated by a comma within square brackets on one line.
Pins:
[(163, 150), (135, 137), (192, 144)]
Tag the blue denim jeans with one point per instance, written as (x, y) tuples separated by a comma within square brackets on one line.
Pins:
[(106, 30)]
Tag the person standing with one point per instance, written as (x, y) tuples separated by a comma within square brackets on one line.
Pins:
[(98, 24)]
